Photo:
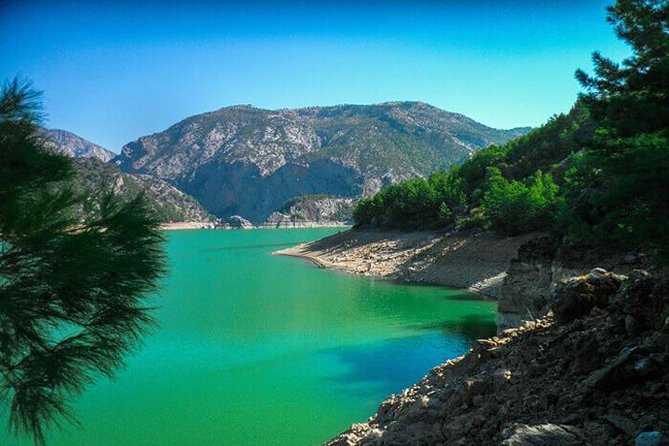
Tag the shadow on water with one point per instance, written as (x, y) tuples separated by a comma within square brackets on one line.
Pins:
[(470, 326), (390, 366)]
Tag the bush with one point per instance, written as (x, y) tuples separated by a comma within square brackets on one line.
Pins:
[(511, 207)]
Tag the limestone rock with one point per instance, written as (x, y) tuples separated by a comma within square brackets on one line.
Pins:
[(237, 222), (577, 296), (542, 435)]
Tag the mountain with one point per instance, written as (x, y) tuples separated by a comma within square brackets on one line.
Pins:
[(167, 202), (247, 161), (95, 173), (66, 143)]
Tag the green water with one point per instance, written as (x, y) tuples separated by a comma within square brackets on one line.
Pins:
[(254, 349)]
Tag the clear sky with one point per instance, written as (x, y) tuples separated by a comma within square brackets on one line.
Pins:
[(114, 71)]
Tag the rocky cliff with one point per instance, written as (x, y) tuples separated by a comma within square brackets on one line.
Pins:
[(312, 211), (246, 161), (528, 289)]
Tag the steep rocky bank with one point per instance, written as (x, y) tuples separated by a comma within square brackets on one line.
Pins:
[(596, 373), (542, 263), (472, 259)]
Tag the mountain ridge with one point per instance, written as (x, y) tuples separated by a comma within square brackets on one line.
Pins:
[(244, 160), (75, 146), (96, 173)]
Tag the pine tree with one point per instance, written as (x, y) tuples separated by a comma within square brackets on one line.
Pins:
[(74, 271), (623, 178), (632, 97)]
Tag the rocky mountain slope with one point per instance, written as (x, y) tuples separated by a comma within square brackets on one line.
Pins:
[(246, 161), (96, 174), (167, 202), (67, 143)]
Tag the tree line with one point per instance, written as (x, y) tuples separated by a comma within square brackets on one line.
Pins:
[(599, 173)]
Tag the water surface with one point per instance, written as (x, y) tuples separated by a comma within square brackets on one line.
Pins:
[(254, 349)]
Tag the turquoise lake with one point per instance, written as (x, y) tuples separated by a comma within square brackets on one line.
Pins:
[(254, 349)]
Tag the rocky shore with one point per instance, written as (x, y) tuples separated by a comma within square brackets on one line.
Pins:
[(184, 225), (594, 372), (474, 260), (586, 364)]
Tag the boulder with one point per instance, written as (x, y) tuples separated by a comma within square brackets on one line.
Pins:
[(542, 435), (577, 296), (652, 438)]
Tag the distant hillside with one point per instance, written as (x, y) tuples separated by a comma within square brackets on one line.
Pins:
[(95, 173), (66, 143), (168, 202), (246, 161)]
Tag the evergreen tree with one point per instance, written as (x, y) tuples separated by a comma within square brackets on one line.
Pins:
[(620, 184), (73, 274), (632, 98)]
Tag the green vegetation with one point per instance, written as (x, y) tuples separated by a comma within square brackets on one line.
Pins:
[(597, 174), (74, 269), (420, 203), (513, 207), (620, 185), (511, 188)]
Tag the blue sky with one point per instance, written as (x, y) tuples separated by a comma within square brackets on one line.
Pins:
[(114, 71)]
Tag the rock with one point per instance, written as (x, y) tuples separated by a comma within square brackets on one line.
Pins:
[(586, 356), (645, 298), (621, 423), (459, 426), (577, 296), (238, 222), (631, 366), (632, 325), (653, 438), (307, 212), (542, 435), (598, 273), (630, 257)]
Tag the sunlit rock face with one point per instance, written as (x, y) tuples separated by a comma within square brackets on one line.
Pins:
[(67, 143)]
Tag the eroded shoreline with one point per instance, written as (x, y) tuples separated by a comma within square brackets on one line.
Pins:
[(473, 260)]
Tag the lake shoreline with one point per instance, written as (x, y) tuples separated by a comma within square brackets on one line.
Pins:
[(472, 260), (190, 225)]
